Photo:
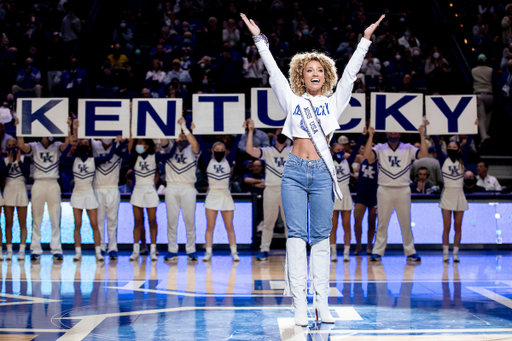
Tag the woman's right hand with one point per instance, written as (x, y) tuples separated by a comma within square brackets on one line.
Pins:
[(251, 25)]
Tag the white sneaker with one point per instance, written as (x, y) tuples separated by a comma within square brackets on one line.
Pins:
[(77, 257), (21, 256), (9, 255), (235, 257), (334, 253), (136, 252), (154, 256), (134, 256), (99, 258), (456, 258), (446, 258), (207, 257)]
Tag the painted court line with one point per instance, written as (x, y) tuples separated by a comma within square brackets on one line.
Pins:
[(507, 302)]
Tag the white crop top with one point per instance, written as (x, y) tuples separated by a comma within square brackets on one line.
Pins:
[(328, 109)]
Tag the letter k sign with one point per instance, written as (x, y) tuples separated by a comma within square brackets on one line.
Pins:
[(49, 120)]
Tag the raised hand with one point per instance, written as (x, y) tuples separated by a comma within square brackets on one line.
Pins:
[(369, 31), (18, 155), (251, 25), (181, 120), (421, 130), (371, 130), (365, 130)]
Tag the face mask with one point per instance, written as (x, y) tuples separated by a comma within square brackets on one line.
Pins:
[(398, 57), (281, 138), (14, 150), (137, 51), (123, 25), (183, 143), (186, 41), (205, 81), (305, 32), (435, 55), (416, 53), (469, 182), (338, 156), (219, 156), (453, 153), (140, 149), (50, 139), (107, 141), (407, 33), (393, 139), (83, 150), (201, 65)]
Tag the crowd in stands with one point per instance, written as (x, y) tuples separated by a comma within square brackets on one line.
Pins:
[(178, 48)]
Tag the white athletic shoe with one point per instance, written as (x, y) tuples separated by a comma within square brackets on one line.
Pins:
[(21, 256), (136, 252), (446, 258), (154, 256), (77, 257), (134, 256), (235, 257), (456, 258), (207, 257), (99, 257), (9, 255)]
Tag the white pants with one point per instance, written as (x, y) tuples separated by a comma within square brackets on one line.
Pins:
[(184, 197), (271, 206), (45, 191), (108, 204), (398, 198)]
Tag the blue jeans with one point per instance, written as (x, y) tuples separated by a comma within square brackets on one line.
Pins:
[(307, 181)]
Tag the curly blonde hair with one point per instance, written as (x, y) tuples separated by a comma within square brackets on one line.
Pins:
[(299, 62)]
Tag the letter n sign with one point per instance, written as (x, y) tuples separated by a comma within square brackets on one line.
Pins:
[(156, 118), (450, 115), (42, 117)]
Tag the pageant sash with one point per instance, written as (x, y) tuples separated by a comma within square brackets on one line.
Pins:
[(317, 136)]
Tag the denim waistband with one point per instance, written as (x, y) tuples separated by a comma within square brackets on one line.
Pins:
[(300, 161)]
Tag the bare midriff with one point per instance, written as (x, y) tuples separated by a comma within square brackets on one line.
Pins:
[(304, 149)]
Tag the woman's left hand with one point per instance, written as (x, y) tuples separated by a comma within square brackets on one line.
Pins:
[(369, 31)]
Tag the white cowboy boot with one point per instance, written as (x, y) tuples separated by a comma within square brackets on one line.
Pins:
[(319, 272), (296, 278)]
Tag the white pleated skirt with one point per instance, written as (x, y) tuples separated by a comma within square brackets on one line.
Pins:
[(144, 196), (453, 199), (219, 200), (346, 204), (84, 199)]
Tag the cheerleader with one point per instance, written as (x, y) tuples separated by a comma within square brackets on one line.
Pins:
[(452, 197), (219, 197), (83, 197), (15, 193), (366, 198), (342, 163), (144, 164)]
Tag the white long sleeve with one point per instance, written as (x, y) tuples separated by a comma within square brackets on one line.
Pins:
[(341, 97)]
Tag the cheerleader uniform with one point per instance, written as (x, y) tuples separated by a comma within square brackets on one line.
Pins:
[(144, 167), (367, 184), (218, 197), (15, 190), (84, 168), (2, 175), (452, 197), (342, 166)]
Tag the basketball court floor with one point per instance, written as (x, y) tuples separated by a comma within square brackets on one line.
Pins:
[(185, 300)]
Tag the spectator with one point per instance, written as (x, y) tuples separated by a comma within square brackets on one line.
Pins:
[(470, 183), (123, 36), (186, 61), (408, 40), (434, 176), (259, 140), (407, 86), (398, 66), (7, 62), (156, 72), (117, 58), (28, 80), (345, 143), (188, 44), (74, 84), (229, 70), (421, 185), (3, 138), (506, 25), (70, 29), (418, 63), (55, 62), (212, 36), (177, 72), (177, 90), (436, 70), (303, 39), (231, 34), (254, 182), (202, 73), (489, 182), (156, 89), (145, 93), (345, 49), (253, 68), (371, 66), (162, 53), (483, 77)]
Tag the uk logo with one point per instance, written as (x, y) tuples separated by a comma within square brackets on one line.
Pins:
[(143, 166), (454, 170), (279, 161), (339, 171), (15, 168), (180, 158), (368, 171), (393, 160), (218, 168), (47, 157), (83, 168)]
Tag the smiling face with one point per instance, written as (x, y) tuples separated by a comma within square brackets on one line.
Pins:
[(313, 77)]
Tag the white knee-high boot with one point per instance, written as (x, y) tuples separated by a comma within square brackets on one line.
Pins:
[(319, 273), (296, 270)]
